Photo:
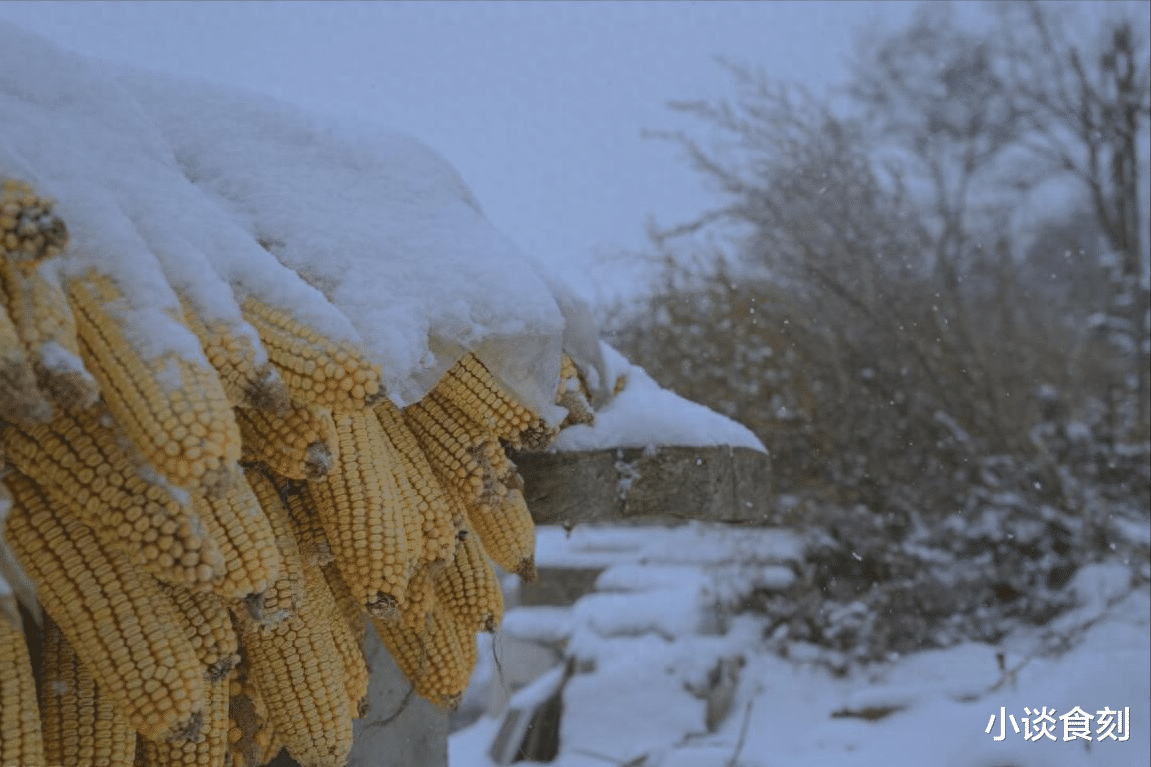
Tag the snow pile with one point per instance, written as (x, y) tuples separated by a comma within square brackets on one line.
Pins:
[(647, 685), (643, 415)]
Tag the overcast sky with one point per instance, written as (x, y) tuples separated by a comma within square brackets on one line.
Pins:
[(540, 105)]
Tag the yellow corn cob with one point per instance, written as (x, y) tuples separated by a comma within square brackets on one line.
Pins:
[(20, 398), (317, 370), (350, 608), (208, 626), (247, 381), (87, 472), (249, 733), (297, 669), (43, 320), (113, 615), (471, 387), (463, 453), (435, 661), (245, 536), (409, 504), (306, 527), (420, 599), (284, 595), (470, 590), (173, 410), (352, 661), (299, 444), (440, 523), (208, 749), (29, 229), (81, 725), (358, 506), (573, 394), (506, 529), (21, 741)]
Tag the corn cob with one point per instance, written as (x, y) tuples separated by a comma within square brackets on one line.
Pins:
[(284, 596), (173, 410), (441, 523), (81, 725), (306, 527), (245, 536), (352, 661), (88, 473), (435, 661), (299, 444), (471, 387), (21, 741), (463, 453), (208, 749), (21, 400), (249, 733), (29, 229), (44, 322), (297, 669), (208, 626), (420, 599), (317, 370), (506, 529), (350, 608), (248, 380), (358, 506), (113, 615), (573, 394), (470, 590)]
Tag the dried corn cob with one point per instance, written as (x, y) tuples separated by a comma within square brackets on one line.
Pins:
[(506, 529), (310, 537), (326, 610), (284, 596), (174, 410), (248, 378), (21, 741), (350, 608), (113, 615), (249, 733), (29, 229), (358, 506), (245, 536), (299, 444), (21, 400), (420, 599), (81, 725), (296, 667), (471, 387), (88, 473), (317, 370), (44, 322), (435, 661), (574, 395), (441, 523), (470, 590), (462, 452), (208, 626), (208, 749)]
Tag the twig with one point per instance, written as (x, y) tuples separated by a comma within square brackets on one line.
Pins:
[(396, 714), (734, 760)]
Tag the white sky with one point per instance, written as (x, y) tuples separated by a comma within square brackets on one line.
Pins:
[(540, 105)]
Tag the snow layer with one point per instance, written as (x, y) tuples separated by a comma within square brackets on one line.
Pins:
[(645, 415), (639, 697)]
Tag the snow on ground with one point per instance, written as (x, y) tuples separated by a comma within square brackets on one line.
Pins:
[(645, 415), (645, 657)]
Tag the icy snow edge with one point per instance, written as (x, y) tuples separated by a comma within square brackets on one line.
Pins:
[(644, 415)]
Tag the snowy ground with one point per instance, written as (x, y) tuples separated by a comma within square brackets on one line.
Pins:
[(647, 638)]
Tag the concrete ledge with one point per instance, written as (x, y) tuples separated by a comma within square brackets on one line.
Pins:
[(713, 484)]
